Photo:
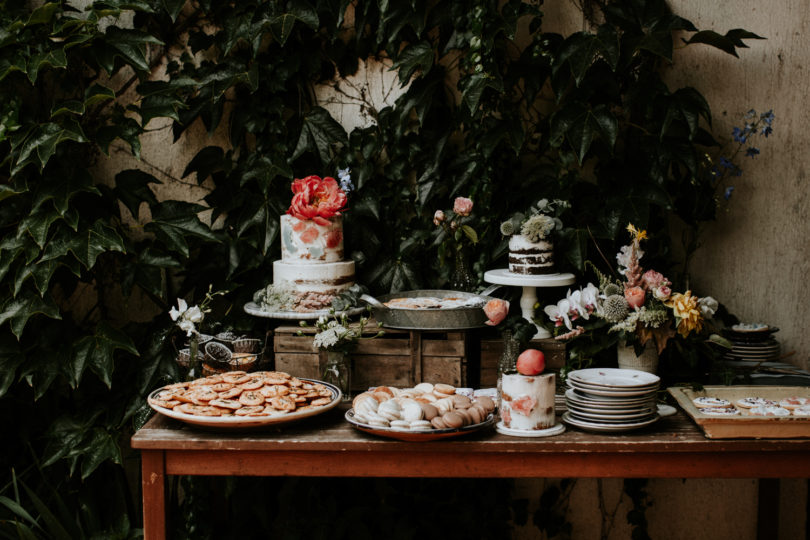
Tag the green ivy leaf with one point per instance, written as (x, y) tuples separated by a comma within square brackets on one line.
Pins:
[(11, 357), (100, 448), (132, 189), (94, 241), (127, 129), (581, 50), (173, 7), (55, 58), (207, 161), (158, 106), (97, 93), (41, 272), (727, 43), (98, 353), (38, 223), (579, 125), (129, 44), (282, 26), (575, 242), (173, 221), (43, 14), (413, 58), (320, 133), (68, 107), (16, 311)]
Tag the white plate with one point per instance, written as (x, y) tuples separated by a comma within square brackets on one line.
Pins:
[(590, 387), (579, 396), (666, 410), (616, 393), (646, 408), (555, 430), (611, 418), (614, 377), (252, 308), (247, 422), (606, 428)]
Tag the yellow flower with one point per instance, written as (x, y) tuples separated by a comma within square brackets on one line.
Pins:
[(638, 234), (686, 310)]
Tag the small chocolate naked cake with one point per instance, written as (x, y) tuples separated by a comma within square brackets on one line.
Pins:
[(531, 258)]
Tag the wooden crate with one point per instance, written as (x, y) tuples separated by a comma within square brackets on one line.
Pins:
[(399, 358), (491, 350)]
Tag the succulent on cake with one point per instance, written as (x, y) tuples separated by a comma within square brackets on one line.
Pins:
[(538, 222), (639, 307)]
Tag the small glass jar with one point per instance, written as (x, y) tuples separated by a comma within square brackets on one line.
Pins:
[(508, 361), (338, 371)]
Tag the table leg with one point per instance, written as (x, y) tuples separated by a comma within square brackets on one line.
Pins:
[(527, 302), (153, 474)]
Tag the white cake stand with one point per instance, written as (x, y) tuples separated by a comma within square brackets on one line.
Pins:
[(530, 283)]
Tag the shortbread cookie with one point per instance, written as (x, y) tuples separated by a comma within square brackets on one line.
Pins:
[(707, 402), (793, 402), (747, 403), (768, 410), (719, 411), (803, 410)]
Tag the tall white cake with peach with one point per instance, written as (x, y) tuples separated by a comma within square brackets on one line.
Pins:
[(312, 244), (527, 397)]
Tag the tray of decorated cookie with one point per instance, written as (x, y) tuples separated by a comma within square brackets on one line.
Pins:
[(425, 412), (762, 412), (240, 400)]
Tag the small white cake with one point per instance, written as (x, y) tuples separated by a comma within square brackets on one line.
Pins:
[(527, 401), (532, 258)]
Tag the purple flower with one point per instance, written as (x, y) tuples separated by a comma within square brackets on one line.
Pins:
[(767, 130), (767, 117), (752, 152), (727, 194), (739, 135)]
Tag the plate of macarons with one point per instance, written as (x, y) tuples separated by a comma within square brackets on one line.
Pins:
[(425, 412)]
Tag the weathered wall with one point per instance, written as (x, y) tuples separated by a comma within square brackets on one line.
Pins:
[(756, 257)]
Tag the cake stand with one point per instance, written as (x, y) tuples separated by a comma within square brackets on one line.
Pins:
[(530, 283)]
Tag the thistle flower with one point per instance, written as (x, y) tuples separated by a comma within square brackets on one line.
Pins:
[(507, 228), (615, 308), (537, 227), (612, 288)]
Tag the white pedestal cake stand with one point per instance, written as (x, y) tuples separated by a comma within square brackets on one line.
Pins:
[(530, 283)]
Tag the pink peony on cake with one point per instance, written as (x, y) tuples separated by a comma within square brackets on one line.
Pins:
[(312, 244)]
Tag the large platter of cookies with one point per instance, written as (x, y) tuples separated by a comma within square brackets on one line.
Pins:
[(425, 412), (762, 412), (240, 400)]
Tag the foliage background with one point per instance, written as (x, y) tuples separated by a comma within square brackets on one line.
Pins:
[(497, 109)]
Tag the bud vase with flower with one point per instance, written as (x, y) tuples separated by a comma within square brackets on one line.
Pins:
[(457, 236)]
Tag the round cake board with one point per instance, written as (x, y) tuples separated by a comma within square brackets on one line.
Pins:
[(549, 432)]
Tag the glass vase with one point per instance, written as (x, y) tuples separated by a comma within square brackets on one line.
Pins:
[(338, 372), (194, 362), (508, 362), (462, 278)]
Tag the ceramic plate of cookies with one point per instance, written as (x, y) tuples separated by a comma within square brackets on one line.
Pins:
[(425, 412), (239, 400)]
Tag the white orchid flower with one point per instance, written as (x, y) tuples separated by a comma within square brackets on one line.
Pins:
[(590, 298), (187, 326), (553, 312), (175, 313), (194, 314), (575, 305)]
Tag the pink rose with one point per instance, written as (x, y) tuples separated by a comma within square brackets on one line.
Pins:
[(496, 311), (634, 296), (462, 206), (662, 293), (652, 280), (438, 217)]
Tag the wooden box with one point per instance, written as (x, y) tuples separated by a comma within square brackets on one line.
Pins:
[(398, 358), (492, 349)]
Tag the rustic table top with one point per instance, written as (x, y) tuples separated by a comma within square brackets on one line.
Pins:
[(331, 432)]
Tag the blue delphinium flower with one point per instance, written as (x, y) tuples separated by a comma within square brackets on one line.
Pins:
[(345, 179), (739, 135), (767, 130), (727, 194), (767, 117), (752, 151)]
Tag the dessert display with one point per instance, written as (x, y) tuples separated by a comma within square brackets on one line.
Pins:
[(531, 247), (237, 395), (751, 406)]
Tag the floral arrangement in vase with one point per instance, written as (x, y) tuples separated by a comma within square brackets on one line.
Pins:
[(189, 319), (457, 234), (640, 306)]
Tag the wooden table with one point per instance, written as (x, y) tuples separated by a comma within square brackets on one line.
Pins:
[(328, 446)]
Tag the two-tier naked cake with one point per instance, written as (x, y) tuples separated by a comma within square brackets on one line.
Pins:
[(312, 244)]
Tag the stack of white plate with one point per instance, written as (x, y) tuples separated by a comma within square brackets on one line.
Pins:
[(611, 400)]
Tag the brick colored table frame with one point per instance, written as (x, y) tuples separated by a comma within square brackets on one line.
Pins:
[(328, 446)]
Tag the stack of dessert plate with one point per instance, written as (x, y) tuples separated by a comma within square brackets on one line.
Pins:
[(752, 343), (611, 400)]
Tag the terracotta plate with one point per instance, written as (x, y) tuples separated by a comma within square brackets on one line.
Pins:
[(247, 422)]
